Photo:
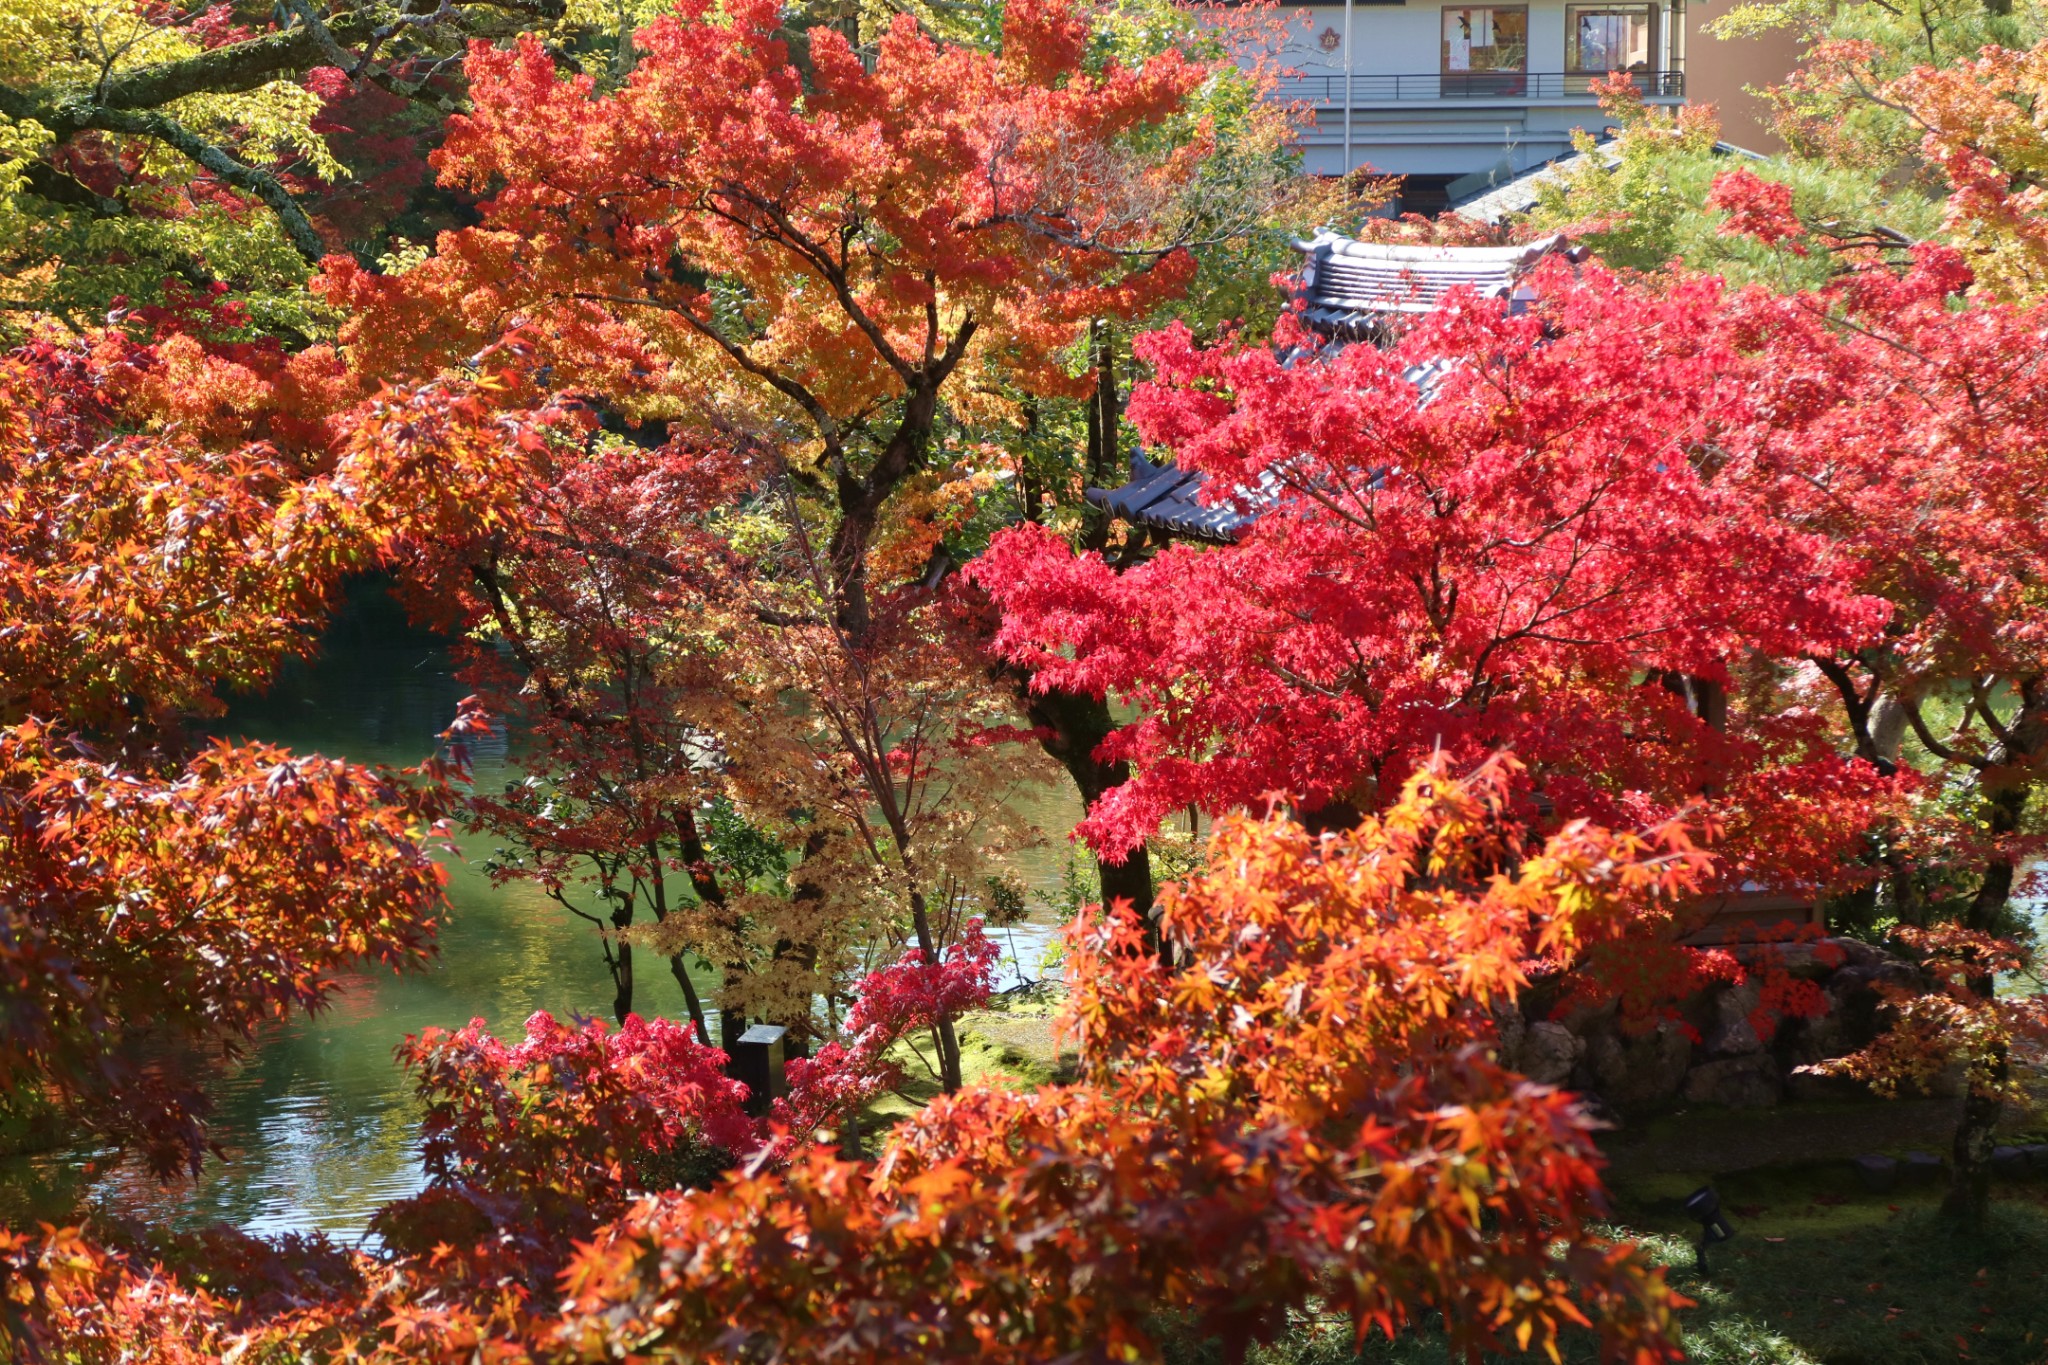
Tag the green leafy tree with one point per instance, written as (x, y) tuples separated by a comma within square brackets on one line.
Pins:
[(1641, 201)]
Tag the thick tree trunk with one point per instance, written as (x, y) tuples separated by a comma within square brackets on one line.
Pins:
[(622, 983), (1105, 412), (1072, 726), (1969, 1199)]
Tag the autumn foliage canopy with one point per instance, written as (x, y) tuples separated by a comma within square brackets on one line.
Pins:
[(1553, 623)]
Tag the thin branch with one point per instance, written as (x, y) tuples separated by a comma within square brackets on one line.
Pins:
[(1935, 746)]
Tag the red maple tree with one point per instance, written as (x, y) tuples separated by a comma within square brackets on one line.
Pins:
[(1502, 532), (164, 898)]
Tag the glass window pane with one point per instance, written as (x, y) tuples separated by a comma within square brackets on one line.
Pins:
[(1485, 38), (1608, 39)]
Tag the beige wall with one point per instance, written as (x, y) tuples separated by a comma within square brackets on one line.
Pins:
[(1716, 70)]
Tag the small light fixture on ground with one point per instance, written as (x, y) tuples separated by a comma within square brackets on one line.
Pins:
[(1704, 1205)]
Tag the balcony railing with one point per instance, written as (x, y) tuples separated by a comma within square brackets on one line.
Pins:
[(1472, 85)]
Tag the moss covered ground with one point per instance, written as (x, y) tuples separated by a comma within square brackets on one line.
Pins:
[(1820, 1273)]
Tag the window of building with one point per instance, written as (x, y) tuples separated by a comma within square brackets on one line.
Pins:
[(1603, 38), (1493, 38)]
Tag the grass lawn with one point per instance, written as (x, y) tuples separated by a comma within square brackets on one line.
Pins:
[(1819, 1273)]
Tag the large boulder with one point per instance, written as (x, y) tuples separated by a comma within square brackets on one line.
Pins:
[(1511, 1031), (1749, 1082), (1588, 1017), (1640, 1072), (1549, 1052), (1824, 1036), (1733, 1034), (1807, 1083), (1813, 960), (1856, 998)]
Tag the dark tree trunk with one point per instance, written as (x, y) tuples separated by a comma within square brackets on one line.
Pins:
[(1072, 726), (622, 983), (1105, 412), (2007, 787), (1969, 1199)]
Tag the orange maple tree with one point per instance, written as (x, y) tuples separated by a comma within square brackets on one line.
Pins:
[(823, 267)]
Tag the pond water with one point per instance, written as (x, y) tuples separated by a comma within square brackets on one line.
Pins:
[(316, 1122)]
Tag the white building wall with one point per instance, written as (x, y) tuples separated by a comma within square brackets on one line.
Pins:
[(1411, 129)]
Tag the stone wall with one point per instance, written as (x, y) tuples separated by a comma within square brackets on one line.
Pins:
[(1716, 1055)]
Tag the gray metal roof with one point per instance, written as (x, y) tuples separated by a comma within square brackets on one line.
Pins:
[(1168, 498), (1516, 195)]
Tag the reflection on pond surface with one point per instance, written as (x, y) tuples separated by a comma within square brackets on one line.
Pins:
[(316, 1123)]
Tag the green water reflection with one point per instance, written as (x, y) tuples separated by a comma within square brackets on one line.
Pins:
[(316, 1123)]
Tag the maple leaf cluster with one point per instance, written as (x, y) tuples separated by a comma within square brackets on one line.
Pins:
[(987, 176), (528, 1145), (911, 994), (1490, 556), (164, 899)]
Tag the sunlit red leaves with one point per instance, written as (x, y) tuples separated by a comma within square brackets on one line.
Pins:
[(1254, 1130), (140, 575), (908, 995), (160, 903), (1757, 208), (1303, 1106), (531, 1145), (1492, 557)]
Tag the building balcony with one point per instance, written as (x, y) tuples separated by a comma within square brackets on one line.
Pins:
[(1374, 88)]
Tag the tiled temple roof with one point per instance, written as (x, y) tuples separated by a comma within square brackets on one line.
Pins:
[(1167, 498), (1351, 288)]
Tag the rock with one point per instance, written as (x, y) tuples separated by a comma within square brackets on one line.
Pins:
[(1949, 1083), (1750, 1082), (1794, 959), (1854, 998), (2036, 1154), (1819, 1039), (1733, 1034), (1808, 1083), (1549, 1052), (1922, 1168), (2008, 1161), (1878, 1173), (1641, 1072), (1584, 1018), (1855, 952), (1813, 960), (1513, 1031)]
